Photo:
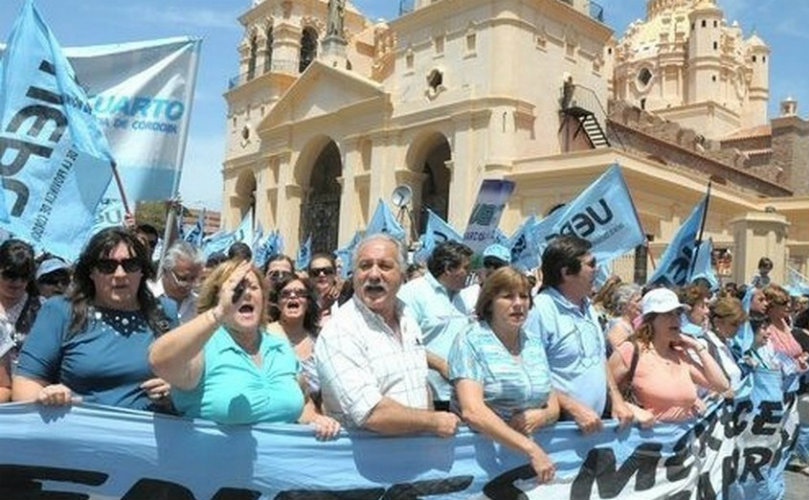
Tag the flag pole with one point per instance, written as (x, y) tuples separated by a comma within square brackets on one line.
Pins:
[(701, 231), (120, 186)]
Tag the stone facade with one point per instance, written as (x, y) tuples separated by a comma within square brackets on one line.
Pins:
[(456, 92)]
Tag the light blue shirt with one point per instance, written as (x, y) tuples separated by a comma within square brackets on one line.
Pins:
[(233, 390), (440, 316), (689, 328), (574, 345), (509, 384)]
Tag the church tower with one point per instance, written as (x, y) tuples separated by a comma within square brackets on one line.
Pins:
[(758, 55), (704, 66)]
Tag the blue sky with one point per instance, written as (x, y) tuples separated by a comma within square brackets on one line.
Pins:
[(88, 22)]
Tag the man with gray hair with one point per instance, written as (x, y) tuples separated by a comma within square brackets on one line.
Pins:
[(182, 268), (370, 357)]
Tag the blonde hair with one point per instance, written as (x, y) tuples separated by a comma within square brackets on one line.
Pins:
[(209, 291), (729, 307)]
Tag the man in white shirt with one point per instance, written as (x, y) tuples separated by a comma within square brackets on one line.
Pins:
[(370, 358)]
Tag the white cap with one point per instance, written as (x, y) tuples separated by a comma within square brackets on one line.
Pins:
[(660, 300), (50, 265)]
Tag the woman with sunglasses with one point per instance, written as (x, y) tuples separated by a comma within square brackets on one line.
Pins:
[(780, 328), (322, 272), (500, 375), (19, 300), (91, 345), (295, 320)]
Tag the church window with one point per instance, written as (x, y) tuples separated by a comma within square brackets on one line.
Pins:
[(438, 44), (409, 59), (755, 58), (251, 62), (435, 79), (704, 23), (308, 48), (716, 24), (268, 47), (644, 77), (716, 46), (763, 59), (471, 42)]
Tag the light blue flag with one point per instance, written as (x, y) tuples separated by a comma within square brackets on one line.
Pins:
[(258, 237), (500, 238), (109, 212), (523, 246), (703, 267), (437, 231), (262, 250), (346, 253), (220, 241), (383, 221), (304, 254), (675, 265), (603, 214), (743, 340), (195, 235), (244, 233), (797, 284), (54, 158)]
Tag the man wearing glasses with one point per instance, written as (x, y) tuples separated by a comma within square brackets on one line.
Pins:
[(439, 310), (495, 256), (182, 268), (568, 326)]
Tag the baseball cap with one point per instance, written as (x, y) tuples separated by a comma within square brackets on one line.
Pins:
[(50, 265), (498, 252), (661, 300)]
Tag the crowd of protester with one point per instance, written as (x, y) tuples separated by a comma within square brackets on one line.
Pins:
[(394, 349)]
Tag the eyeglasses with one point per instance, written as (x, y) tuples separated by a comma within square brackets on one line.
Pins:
[(109, 266), (321, 271), (287, 294), (54, 279), (278, 274), (182, 281), (15, 275), (592, 263)]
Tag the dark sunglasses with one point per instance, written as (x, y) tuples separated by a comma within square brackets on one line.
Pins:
[(318, 271), (493, 264), (15, 275), (109, 266), (54, 280), (292, 294), (278, 275)]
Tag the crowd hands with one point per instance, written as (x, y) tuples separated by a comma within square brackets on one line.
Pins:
[(393, 349)]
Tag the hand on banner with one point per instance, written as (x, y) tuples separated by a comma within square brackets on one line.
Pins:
[(57, 394), (156, 389), (326, 428), (527, 421), (622, 413), (643, 417), (445, 423), (587, 420), (542, 465)]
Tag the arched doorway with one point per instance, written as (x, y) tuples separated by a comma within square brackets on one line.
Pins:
[(435, 186), (320, 211), (246, 195)]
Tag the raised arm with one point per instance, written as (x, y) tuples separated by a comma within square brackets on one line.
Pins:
[(177, 356)]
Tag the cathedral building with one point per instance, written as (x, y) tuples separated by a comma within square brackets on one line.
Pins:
[(331, 111)]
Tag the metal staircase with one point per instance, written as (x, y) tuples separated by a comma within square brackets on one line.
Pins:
[(582, 105)]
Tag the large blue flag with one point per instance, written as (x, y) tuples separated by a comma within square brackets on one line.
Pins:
[(674, 268), (244, 233), (346, 253), (437, 231), (797, 284), (197, 231), (218, 242), (703, 268), (523, 245), (603, 214), (383, 221), (304, 254), (54, 158)]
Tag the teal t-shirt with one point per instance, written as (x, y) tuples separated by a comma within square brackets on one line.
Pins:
[(233, 390)]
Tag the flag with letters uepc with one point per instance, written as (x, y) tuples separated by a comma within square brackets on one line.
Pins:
[(54, 158)]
